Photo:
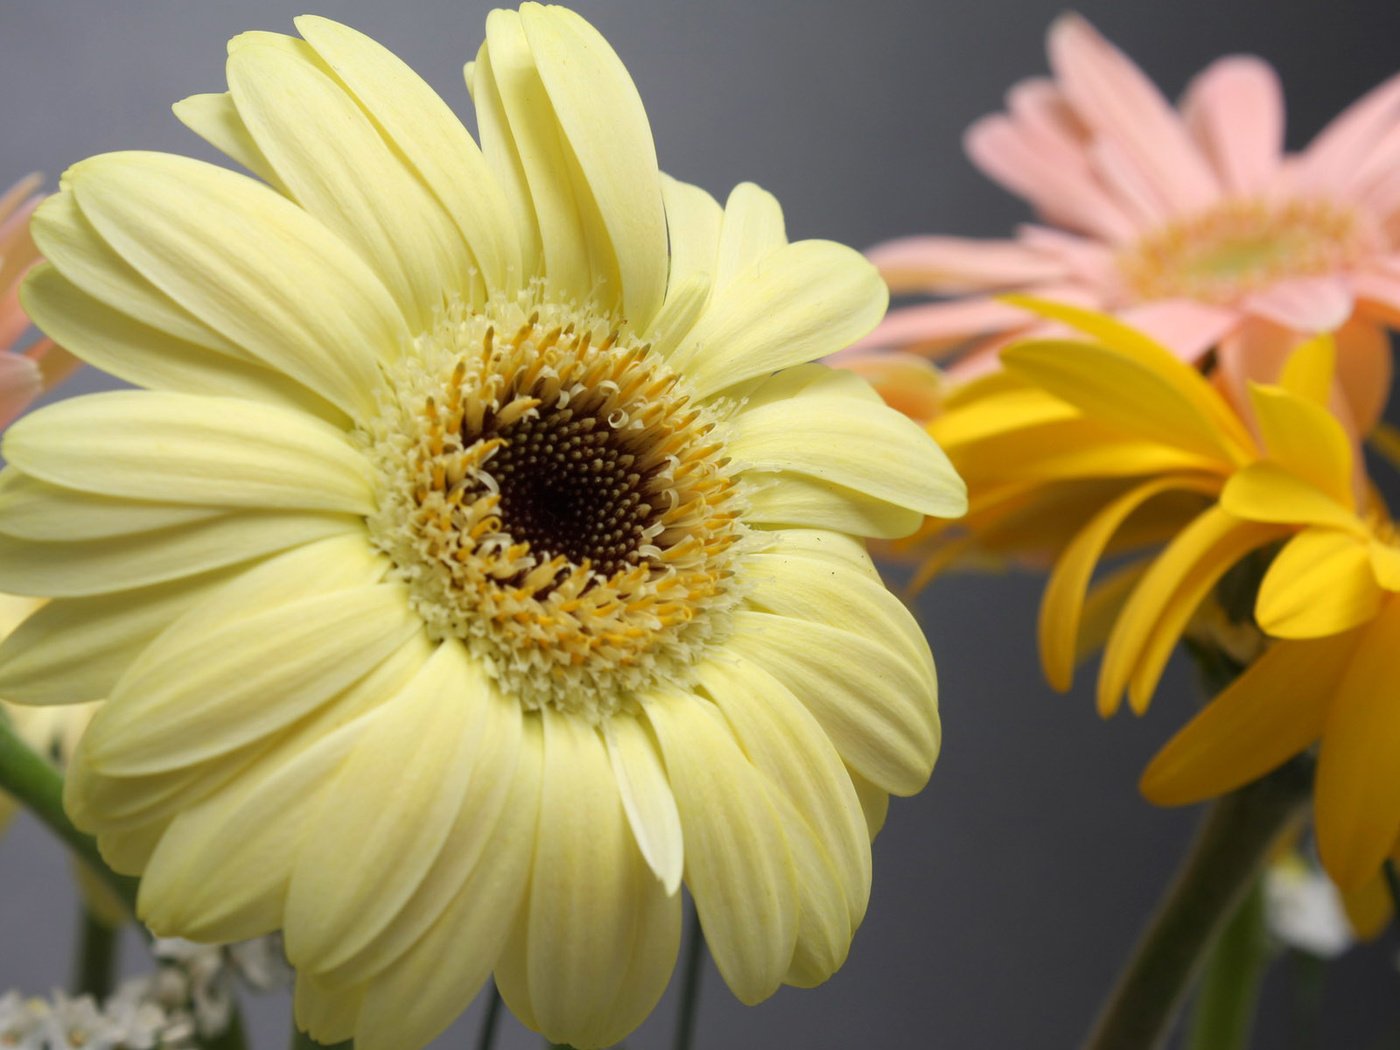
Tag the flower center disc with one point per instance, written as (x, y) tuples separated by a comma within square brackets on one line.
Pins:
[(1241, 247), (551, 497)]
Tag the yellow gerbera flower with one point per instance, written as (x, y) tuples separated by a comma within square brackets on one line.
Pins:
[(1330, 598), (1084, 450), (482, 561)]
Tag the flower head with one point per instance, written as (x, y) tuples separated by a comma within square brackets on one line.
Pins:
[(1079, 453), (1190, 223), (483, 559)]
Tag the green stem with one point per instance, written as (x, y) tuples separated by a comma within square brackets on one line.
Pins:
[(1308, 974), (1230, 849), (1229, 991), (487, 1036), (690, 983), (97, 958), (39, 786)]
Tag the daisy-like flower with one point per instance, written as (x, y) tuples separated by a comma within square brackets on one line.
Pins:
[(1078, 452), (1190, 223), (484, 559), (27, 373)]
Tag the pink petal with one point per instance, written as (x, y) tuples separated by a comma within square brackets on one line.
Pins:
[(1305, 304), (20, 384), (1343, 145), (1378, 290), (951, 265), (1129, 184), (1235, 110), (1113, 97), (55, 363), (13, 320), (1061, 194), (1048, 122), (25, 187), (932, 327), (1253, 352), (1088, 261), (984, 357), (1184, 326)]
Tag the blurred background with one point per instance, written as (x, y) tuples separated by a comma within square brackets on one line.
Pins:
[(1007, 895)]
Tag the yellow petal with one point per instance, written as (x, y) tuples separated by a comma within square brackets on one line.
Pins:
[(1147, 352), (737, 862), (148, 357), (444, 969), (879, 708), (805, 301), (873, 802), (432, 141), (249, 263), (183, 448), (196, 703), (601, 118), (1265, 717), (389, 809), (860, 445), (752, 229), (693, 221), (589, 937), (140, 559), (646, 798), (1169, 591), (794, 500), (1062, 605), (1267, 491), (1358, 767), (1306, 439), (1155, 403), (1321, 583), (215, 119), (1308, 372)]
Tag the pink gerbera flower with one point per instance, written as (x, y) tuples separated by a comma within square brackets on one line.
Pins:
[(1189, 223), (23, 374)]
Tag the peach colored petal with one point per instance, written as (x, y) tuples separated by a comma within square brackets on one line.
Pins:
[(1305, 304), (1378, 292), (1129, 184), (17, 251), (1048, 121), (1234, 108), (1114, 98), (1088, 261), (1343, 145), (908, 383), (1364, 369), (932, 327), (11, 198), (984, 357), (1184, 326), (1062, 195), (20, 384), (950, 265), (13, 321), (55, 363)]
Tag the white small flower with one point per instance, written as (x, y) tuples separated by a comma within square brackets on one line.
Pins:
[(1305, 910)]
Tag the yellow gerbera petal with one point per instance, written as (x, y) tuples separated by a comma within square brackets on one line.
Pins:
[(1267, 491), (601, 118), (1306, 439), (1142, 400), (253, 265), (647, 799), (432, 140), (1309, 370), (215, 119), (1266, 716), (337, 166), (1358, 768), (737, 863), (1062, 605), (1321, 583), (805, 301), (182, 448), (693, 221), (753, 229)]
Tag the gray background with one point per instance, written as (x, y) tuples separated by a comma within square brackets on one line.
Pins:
[(1007, 895)]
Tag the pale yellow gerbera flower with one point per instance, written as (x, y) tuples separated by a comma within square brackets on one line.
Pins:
[(482, 562)]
